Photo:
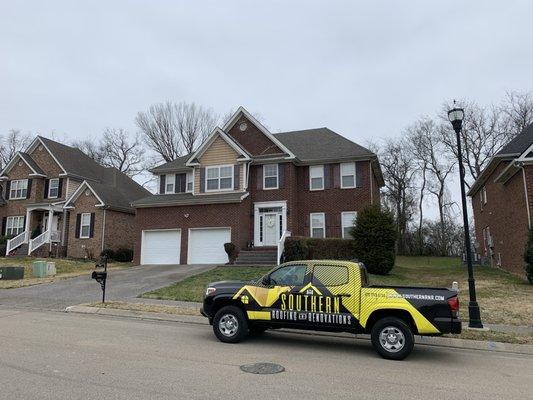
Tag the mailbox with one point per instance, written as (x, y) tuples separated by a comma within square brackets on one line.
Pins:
[(101, 276)]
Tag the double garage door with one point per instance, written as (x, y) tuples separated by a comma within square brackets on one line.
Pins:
[(206, 246)]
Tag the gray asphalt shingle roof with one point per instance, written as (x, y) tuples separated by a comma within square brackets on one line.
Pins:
[(172, 165), (178, 199), (33, 165), (520, 143)]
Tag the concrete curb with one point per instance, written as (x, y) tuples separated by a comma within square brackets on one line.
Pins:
[(420, 340)]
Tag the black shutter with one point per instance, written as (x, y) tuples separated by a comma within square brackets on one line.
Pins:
[(4, 222), (307, 177), (202, 180), (358, 175), (60, 188), (91, 230), (336, 175), (281, 175), (327, 176), (46, 185), (78, 224), (8, 188), (180, 183), (236, 176), (28, 194), (162, 184), (259, 177)]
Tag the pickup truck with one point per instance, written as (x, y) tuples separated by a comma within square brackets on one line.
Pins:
[(331, 296)]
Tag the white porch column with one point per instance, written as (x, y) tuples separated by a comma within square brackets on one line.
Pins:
[(49, 227), (27, 225)]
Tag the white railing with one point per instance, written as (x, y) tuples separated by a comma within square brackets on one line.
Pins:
[(281, 245), (17, 241), (55, 236), (38, 241)]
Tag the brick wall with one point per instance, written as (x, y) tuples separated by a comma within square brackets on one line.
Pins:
[(85, 248), (252, 139), (119, 230)]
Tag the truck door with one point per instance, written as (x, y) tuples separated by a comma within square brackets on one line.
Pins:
[(338, 288)]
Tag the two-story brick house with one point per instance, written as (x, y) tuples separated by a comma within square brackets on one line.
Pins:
[(502, 200), (249, 186), (56, 200)]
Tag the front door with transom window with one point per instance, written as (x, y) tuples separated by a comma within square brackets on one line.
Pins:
[(270, 223), (271, 229)]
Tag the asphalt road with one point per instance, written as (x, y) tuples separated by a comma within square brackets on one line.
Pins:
[(121, 285), (53, 355)]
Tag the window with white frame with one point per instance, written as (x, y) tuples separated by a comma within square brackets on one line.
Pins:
[(270, 176), (190, 181), (316, 177), (318, 225), (85, 225), (348, 175), (14, 225), (18, 189), (219, 178), (347, 221), (170, 181), (483, 196), (53, 188)]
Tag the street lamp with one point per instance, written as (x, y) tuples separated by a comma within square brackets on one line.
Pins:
[(456, 116)]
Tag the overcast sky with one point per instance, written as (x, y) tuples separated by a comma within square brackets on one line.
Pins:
[(364, 69)]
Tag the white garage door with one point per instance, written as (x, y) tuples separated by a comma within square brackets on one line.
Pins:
[(161, 247), (206, 245)]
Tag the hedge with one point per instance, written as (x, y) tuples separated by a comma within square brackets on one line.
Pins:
[(304, 248)]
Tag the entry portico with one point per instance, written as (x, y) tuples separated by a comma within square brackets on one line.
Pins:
[(270, 221)]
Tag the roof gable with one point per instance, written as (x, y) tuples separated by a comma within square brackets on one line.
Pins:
[(26, 158), (217, 132)]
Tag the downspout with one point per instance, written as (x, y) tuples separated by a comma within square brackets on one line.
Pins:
[(527, 198), (103, 231), (371, 186)]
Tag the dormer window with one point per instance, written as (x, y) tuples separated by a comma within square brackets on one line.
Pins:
[(18, 189), (219, 178), (53, 188)]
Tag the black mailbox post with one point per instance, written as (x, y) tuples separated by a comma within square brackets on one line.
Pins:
[(101, 276)]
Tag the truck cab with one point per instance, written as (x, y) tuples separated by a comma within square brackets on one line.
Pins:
[(333, 296)]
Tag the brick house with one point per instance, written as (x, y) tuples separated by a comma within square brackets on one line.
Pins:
[(58, 201), (502, 200), (249, 186)]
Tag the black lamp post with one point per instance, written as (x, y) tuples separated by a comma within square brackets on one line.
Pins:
[(456, 118)]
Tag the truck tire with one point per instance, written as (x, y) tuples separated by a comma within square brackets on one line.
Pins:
[(230, 325), (392, 338)]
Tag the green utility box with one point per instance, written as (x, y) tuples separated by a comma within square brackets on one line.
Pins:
[(39, 269), (11, 273)]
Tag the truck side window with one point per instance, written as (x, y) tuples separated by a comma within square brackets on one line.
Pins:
[(330, 275), (291, 275)]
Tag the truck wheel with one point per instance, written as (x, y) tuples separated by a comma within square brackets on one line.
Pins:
[(392, 338), (230, 325)]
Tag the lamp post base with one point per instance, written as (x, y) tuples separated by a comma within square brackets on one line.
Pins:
[(475, 316)]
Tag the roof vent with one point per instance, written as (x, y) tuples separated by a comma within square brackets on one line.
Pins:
[(243, 126)]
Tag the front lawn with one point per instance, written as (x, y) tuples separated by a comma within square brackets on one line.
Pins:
[(64, 267), (503, 298)]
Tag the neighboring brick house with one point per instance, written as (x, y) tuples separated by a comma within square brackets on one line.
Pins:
[(249, 186), (502, 200), (58, 201)]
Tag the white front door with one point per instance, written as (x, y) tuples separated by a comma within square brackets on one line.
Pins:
[(271, 229)]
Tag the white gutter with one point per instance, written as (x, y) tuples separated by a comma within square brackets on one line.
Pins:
[(527, 198)]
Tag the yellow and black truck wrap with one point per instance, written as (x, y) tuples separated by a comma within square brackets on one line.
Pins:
[(331, 296)]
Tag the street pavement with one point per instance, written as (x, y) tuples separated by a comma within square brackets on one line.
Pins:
[(53, 355), (122, 284)]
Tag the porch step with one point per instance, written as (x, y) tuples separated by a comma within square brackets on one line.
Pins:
[(257, 257), (21, 251)]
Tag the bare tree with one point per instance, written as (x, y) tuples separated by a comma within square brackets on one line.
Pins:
[(122, 152), (174, 129), (91, 148), (518, 112), (11, 144)]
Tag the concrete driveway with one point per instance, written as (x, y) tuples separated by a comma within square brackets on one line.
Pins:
[(121, 285)]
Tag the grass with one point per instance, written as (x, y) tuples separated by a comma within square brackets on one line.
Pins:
[(65, 268), (503, 297), (494, 336)]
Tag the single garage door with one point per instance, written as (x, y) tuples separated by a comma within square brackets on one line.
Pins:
[(206, 245), (161, 246)]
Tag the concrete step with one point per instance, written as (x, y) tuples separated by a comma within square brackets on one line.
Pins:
[(257, 257)]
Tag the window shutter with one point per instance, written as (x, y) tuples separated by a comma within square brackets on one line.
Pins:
[(327, 176), (307, 172), (78, 224), (259, 178), (182, 183), (358, 175), (281, 175), (202, 180), (46, 185), (177, 183), (236, 176), (328, 228), (162, 184), (336, 175), (91, 229), (4, 223), (28, 194), (8, 189), (60, 188)]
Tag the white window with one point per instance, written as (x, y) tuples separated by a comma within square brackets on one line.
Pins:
[(316, 177), (270, 176), (53, 188), (190, 181), (18, 189), (219, 178), (347, 221), (170, 181), (318, 225), (348, 175), (483, 196), (85, 225), (14, 225)]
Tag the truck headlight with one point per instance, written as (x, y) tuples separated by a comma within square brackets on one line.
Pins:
[(210, 290)]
